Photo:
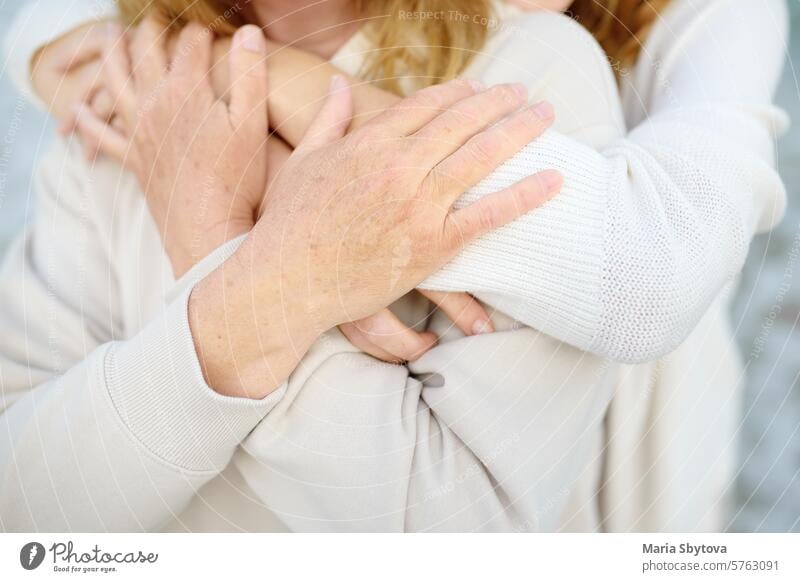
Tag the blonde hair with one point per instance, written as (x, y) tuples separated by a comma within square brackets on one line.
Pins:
[(620, 26), (415, 43)]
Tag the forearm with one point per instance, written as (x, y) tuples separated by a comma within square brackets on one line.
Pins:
[(649, 228), (249, 338), (299, 82)]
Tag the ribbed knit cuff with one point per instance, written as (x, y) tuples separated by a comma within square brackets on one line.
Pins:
[(545, 268), (40, 22), (157, 386), (203, 269)]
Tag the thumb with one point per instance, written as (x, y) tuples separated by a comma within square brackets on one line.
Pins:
[(249, 84), (333, 118)]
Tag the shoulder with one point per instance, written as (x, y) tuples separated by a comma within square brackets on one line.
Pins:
[(559, 61), (727, 47), (539, 46), (684, 21), (519, 36)]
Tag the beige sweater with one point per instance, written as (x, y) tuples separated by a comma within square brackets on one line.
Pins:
[(111, 427)]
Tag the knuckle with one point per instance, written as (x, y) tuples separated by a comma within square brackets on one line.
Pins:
[(363, 136), (461, 85), (481, 149), (531, 123), (507, 93), (453, 235), (519, 198), (434, 184), (428, 98), (487, 217), (470, 112)]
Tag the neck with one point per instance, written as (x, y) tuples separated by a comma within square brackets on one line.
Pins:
[(317, 26)]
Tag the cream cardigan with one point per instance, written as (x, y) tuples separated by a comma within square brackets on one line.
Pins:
[(512, 430)]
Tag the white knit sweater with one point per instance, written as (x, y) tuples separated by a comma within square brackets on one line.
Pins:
[(648, 229), (614, 265)]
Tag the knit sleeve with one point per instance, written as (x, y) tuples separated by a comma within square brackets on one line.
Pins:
[(650, 228), (40, 22)]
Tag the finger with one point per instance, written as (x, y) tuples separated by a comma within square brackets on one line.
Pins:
[(148, 54), (391, 335), (333, 119), (75, 50), (414, 112), (463, 310), (88, 77), (117, 75), (356, 337), (117, 123), (102, 105), (494, 210), (192, 57), (449, 131), (483, 153), (249, 86), (97, 136)]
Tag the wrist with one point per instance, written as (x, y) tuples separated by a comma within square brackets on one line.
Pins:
[(246, 341), (202, 241)]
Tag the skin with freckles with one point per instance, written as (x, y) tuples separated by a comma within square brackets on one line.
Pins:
[(335, 214), (321, 32)]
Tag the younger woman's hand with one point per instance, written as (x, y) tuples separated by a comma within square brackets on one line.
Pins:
[(386, 337), (66, 72), (89, 115), (200, 162)]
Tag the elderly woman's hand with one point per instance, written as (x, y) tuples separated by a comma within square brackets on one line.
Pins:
[(200, 161), (354, 222)]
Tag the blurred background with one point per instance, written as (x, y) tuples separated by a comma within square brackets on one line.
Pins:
[(766, 313)]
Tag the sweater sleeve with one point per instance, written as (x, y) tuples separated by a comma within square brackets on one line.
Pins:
[(40, 22), (477, 435), (99, 433), (649, 229)]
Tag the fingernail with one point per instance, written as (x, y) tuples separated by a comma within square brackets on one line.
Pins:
[(551, 180), (482, 326), (476, 85), (543, 111), (252, 39), (520, 89)]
